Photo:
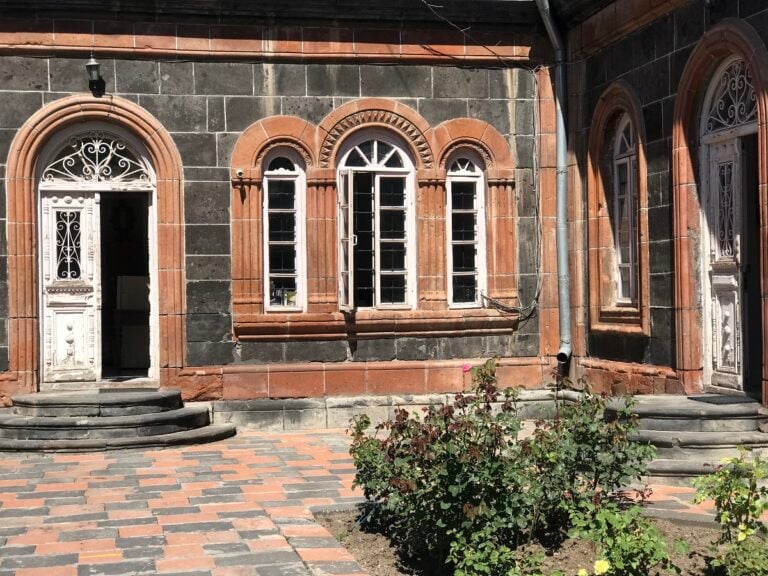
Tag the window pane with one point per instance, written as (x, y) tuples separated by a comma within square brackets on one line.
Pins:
[(364, 274), (463, 195), (282, 227), (383, 150), (465, 288), (355, 159), (392, 224), (392, 191), (622, 178), (463, 257), (624, 272), (393, 289), (392, 256), (463, 226), (282, 258), (282, 291), (366, 148), (281, 194), (394, 161), (281, 163)]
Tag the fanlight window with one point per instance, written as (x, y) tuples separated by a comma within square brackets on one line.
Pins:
[(97, 160), (733, 102)]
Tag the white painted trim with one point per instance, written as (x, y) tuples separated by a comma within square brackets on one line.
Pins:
[(411, 240), (299, 178), (481, 266)]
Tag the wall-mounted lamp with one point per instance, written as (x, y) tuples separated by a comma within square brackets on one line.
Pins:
[(95, 81)]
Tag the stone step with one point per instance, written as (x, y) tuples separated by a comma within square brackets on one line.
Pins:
[(185, 437), (97, 402), (71, 428), (701, 413), (702, 447)]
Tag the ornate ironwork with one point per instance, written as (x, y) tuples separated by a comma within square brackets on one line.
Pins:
[(734, 102), (68, 245), (725, 211), (97, 158)]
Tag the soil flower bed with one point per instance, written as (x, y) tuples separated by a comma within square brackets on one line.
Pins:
[(373, 549)]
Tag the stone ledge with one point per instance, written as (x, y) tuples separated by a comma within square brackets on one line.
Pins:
[(336, 412)]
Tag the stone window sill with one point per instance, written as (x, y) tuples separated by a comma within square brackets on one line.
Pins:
[(365, 324)]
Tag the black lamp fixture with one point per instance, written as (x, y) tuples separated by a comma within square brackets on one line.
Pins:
[(95, 81)]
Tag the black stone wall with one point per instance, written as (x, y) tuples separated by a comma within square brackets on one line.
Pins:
[(206, 106), (652, 61)]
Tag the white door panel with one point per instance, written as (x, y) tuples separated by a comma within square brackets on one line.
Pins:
[(71, 287)]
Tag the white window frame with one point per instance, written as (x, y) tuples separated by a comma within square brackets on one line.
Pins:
[(477, 177), (626, 160), (298, 176), (345, 175)]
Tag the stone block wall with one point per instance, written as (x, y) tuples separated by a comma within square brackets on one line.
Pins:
[(651, 60), (206, 105)]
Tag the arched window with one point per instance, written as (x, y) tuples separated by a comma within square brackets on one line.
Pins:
[(618, 212), (284, 245), (465, 219), (625, 212), (376, 225)]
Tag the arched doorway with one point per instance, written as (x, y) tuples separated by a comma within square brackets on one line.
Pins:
[(73, 115), (730, 240), (97, 258)]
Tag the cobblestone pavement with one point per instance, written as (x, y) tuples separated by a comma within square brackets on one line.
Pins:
[(243, 506), (238, 507)]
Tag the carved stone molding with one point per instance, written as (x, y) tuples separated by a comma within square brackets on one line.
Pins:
[(373, 117), (284, 143)]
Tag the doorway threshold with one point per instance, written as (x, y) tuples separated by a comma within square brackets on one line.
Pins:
[(118, 383)]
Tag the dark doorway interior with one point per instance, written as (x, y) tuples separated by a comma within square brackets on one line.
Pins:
[(752, 312), (125, 285)]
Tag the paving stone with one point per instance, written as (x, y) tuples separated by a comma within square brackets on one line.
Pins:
[(16, 550), (257, 559), (140, 541), (199, 527), (24, 512), (92, 534), (117, 568), (19, 562)]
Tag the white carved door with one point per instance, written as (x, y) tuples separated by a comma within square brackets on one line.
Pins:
[(724, 264), (71, 287), (80, 169)]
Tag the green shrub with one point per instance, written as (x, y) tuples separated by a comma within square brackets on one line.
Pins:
[(624, 537), (580, 454), (738, 489), (459, 488)]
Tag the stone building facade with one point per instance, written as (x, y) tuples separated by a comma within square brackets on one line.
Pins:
[(200, 108), (687, 77), (297, 200)]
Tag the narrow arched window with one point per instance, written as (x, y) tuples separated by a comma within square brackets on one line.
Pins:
[(625, 213), (284, 246), (465, 219)]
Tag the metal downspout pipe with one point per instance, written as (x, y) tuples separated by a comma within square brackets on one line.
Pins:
[(563, 270)]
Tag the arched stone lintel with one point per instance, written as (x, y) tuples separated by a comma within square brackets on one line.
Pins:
[(21, 190), (264, 135), (732, 36), (476, 135), (374, 112)]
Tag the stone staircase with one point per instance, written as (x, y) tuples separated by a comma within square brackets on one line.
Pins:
[(693, 433), (105, 419)]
